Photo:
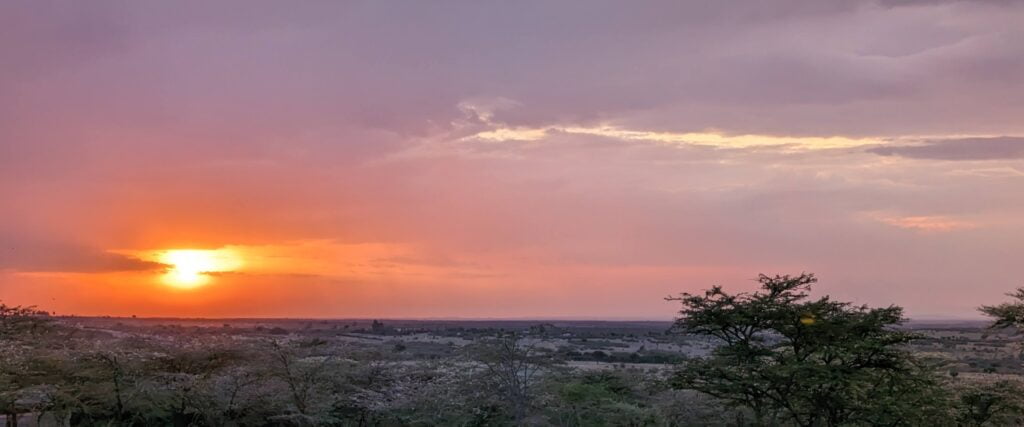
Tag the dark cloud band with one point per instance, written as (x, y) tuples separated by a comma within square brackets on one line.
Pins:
[(1000, 148), (19, 253)]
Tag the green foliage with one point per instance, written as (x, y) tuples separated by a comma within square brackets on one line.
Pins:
[(990, 404), (997, 403), (25, 372), (782, 358), (604, 398), (19, 323), (1009, 314), (789, 358), (513, 367)]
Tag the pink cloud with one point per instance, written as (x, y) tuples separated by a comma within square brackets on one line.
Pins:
[(937, 224)]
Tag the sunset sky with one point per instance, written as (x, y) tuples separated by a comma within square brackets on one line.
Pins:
[(568, 159)]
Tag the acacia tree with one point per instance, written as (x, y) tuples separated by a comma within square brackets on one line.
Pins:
[(515, 366), (308, 376), (18, 322), (1007, 314), (999, 402), (601, 398), (789, 358), (183, 379), (21, 330), (109, 381), (987, 404), (236, 393)]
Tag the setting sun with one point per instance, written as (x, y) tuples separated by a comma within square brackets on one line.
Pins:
[(190, 268)]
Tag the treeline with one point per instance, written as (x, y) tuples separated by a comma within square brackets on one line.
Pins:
[(782, 359)]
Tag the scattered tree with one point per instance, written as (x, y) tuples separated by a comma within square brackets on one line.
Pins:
[(515, 365), (792, 359)]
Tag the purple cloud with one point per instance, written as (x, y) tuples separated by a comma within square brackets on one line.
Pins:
[(998, 148)]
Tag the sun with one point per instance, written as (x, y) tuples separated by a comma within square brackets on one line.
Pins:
[(191, 268)]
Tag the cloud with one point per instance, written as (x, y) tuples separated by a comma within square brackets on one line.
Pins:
[(710, 139), (995, 148), (774, 67), (36, 255), (929, 223)]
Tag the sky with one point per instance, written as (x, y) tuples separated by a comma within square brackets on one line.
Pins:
[(533, 159)]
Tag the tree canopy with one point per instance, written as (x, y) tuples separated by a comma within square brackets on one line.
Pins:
[(786, 357), (1007, 314)]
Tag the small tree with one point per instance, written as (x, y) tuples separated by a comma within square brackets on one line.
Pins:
[(1008, 315), (306, 375), (788, 358), (1000, 402), (109, 380), (601, 398), (18, 322), (514, 365), (996, 403), (21, 329)]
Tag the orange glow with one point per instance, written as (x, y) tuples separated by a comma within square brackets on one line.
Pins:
[(937, 224), (190, 268)]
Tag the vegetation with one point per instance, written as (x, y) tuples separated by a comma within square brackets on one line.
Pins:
[(772, 357), (788, 359), (1009, 314)]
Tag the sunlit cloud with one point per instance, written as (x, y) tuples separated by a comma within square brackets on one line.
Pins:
[(710, 139), (511, 134), (932, 224)]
